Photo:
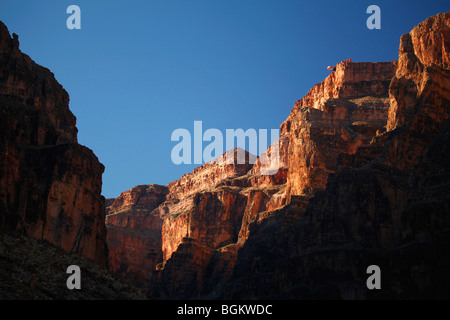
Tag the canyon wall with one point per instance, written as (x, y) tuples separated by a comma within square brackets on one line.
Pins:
[(134, 232), (147, 223), (311, 142), (387, 205), (50, 186), (335, 117), (363, 180), (205, 216)]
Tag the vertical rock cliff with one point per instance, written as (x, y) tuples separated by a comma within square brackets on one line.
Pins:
[(386, 205), (335, 117), (134, 233), (148, 223), (50, 186), (204, 218), (363, 179)]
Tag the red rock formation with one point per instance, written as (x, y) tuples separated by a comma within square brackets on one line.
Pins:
[(351, 80), (193, 270), (347, 193), (50, 187), (147, 223), (337, 116), (214, 220), (45, 94), (215, 205), (387, 205), (420, 89), (210, 174), (134, 232)]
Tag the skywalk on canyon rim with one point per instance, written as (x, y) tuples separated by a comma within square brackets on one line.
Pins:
[(346, 197)]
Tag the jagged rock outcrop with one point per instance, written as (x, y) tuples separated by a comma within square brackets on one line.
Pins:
[(147, 223), (335, 117), (311, 141), (419, 93), (134, 233), (210, 174), (387, 205), (207, 214), (50, 186), (362, 179)]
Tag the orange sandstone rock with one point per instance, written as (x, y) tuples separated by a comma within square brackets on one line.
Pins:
[(50, 187)]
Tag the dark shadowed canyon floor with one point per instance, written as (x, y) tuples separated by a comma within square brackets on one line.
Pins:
[(35, 269)]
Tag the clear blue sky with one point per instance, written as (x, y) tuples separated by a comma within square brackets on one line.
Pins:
[(137, 70)]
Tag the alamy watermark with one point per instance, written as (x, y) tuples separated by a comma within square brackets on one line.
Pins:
[(374, 21), (74, 20), (374, 280), (214, 150), (74, 281)]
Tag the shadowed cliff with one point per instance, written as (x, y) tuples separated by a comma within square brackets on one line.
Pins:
[(363, 180), (50, 186)]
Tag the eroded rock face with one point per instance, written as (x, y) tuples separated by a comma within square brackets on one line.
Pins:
[(211, 210), (361, 181), (419, 92), (50, 187), (350, 80), (17, 73), (335, 117), (214, 220), (210, 174), (147, 223), (387, 205), (134, 232)]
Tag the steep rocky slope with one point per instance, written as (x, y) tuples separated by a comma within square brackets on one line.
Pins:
[(312, 140), (388, 204), (50, 186), (134, 232), (36, 270), (147, 223), (363, 180), (335, 117)]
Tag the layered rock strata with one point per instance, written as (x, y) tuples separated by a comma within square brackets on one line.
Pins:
[(387, 205), (50, 186), (205, 216), (362, 180)]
